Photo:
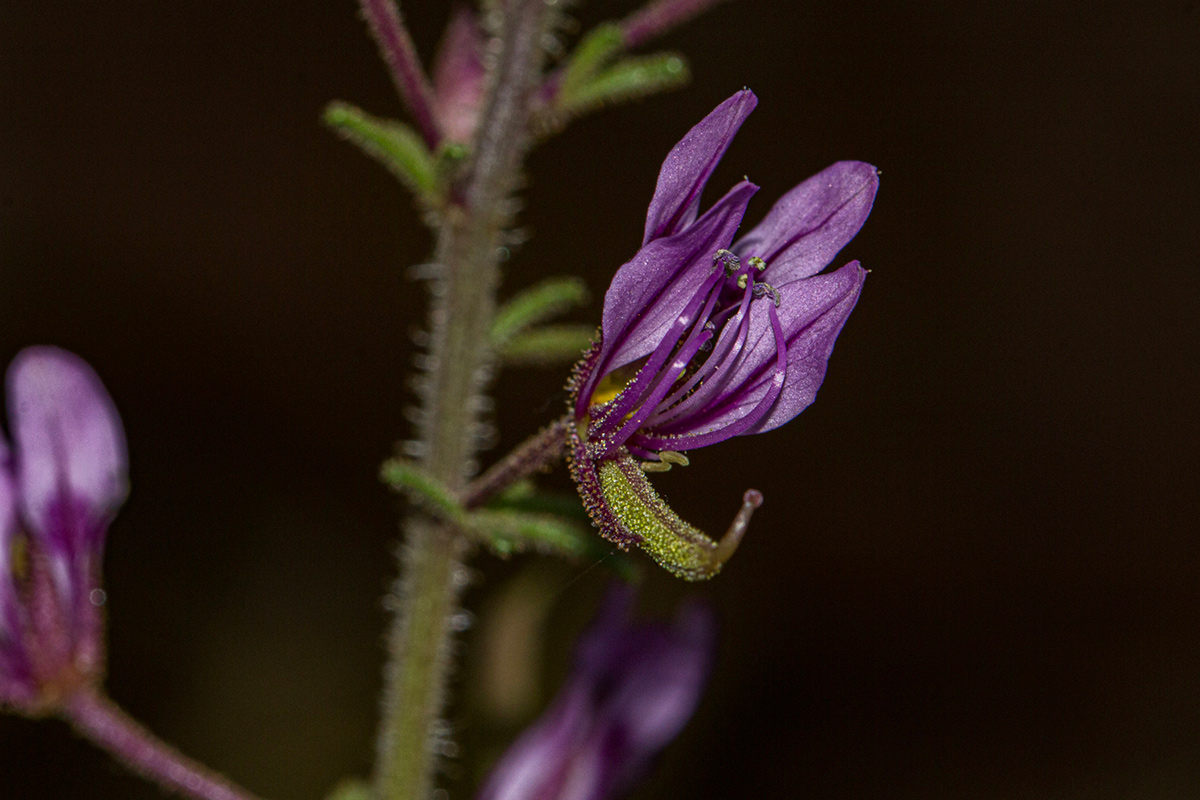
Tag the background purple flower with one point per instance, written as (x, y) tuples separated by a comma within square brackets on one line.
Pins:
[(60, 485), (632, 689)]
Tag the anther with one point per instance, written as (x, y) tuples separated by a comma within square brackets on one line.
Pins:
[(743, 280), (667, 459), (758, 264), (763, 289), (729, 260)]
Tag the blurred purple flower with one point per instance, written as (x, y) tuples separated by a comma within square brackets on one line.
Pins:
[(631, 691), (60, 485), (704, 338)]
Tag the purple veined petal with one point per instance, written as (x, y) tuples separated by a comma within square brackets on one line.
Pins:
[(632, 688), (458, 75), (70, 448), (812, 313), (806, 228), (649, 292), (690, 163)]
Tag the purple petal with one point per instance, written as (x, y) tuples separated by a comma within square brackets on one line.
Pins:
[(458, 75), (689, 165), (8, 530), (804, 231), (632, 689), (70, 446), (648, 293), (812, 313)]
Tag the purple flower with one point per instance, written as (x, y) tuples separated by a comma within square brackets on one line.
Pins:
[(704, 337), (60, 485), (632, 689)]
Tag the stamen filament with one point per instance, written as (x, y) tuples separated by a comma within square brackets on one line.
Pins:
[(645, 381), (739, 426)]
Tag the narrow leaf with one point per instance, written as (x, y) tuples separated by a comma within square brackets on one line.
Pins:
[(593, 53), (394, 144), (507, 532), (536, 304), (351, 789), (551, 344), (524, 496), (628, 79), (406, 477)]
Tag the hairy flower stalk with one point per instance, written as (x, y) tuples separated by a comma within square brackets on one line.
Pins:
[(705, 338)]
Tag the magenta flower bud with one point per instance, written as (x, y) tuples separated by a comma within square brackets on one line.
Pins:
[(704, 338), (60, 485), (632, 689), (458, 75)]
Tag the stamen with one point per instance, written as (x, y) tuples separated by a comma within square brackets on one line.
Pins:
[(708, 379), (757, 263), (695, 420), (763, 289), (640, 397), (667, 459), (729, 260), (743, 280)]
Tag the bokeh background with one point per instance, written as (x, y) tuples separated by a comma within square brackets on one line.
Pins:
[(977, 572)]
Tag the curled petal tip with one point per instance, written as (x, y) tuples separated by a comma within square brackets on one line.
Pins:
[(728, 545)]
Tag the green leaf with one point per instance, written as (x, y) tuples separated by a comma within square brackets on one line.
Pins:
[(536, 304), (351, 789), (394, 144), (523, 496), (594, 52), (506, 532), (513, 531), (551, 344), (628, 79), (406, 477)]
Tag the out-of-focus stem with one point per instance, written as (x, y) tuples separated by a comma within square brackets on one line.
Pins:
[(467, 253), (658, 17), (106, 725), (398, 51)]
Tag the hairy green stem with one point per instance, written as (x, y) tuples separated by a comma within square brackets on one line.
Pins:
[(467, 256)]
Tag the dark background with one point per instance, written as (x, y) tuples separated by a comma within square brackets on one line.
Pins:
[(975, 574)]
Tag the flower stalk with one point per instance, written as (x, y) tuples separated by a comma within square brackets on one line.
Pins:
[(105, 724), (658, 17), (467, 253)]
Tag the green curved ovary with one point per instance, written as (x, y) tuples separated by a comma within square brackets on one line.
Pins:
[(679, 547)]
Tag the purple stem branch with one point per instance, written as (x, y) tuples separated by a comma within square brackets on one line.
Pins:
[(105, 724), (658, 17), (397, 49), (534, 454)]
